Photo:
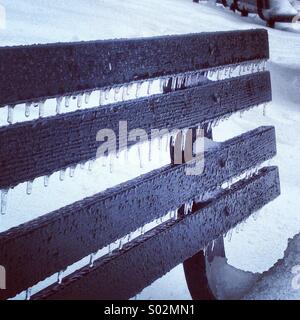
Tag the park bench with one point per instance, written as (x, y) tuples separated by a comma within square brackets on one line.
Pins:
[(203, 78)]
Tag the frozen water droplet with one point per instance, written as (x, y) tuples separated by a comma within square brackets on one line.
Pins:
[(27, 109), (150, 83), (163, 84), (229, 235), (116, 93), (41, 109), (92, 260), (140, 156), (120, 244), (91, 164), (111, 163), (174, 83), (10, 114), (142, 231), (150, 150), (213, 245), (128, 88), (58, 105), (100, 98), (138, 89), (79, 101), (46, 181), (123, 93), (87, 97), (60, 277), (72, 171), (264, 110), (67, 101), (82, 165), (106, 94), (62, 174), (29, 187), (28, 294), (4, 197)]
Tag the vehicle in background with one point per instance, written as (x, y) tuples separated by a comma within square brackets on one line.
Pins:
[(271, 11)]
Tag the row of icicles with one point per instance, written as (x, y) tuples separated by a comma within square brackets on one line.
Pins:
[(109, 161), (117, 245), (124, 92), (171, 215)]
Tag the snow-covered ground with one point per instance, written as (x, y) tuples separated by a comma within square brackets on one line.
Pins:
[(263, 240)]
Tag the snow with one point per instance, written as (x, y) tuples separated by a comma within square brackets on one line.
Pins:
[(264, 240)]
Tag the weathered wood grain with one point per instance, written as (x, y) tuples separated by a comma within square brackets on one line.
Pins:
[(36, 250), (37, 148), (37, 72), (141, 262)]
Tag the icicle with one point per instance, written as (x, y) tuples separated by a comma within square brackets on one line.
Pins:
[(128, 89), (120, 244), (72, 171), (162, 84), (62, 174), (46, 181), (111, 163), (150, 83), (110, 67), (67, 101), (28, 294), (213, 245), (109, 250), (211, 74), (188, 207), (27, 109), (106, 94), (100, 98), (29, 187), (4, 196), (60, 277), (264, 109), (229, 235), (41, 109), (82, 165), (138, 89), (140, 156), (91, 164), (58, 105), (87, 97), (79, 101), (150, 150), (167, 142), (174, 84), (142, 231), (123, 93), (92, 259), (116, 93), (10, 114), (255, 216), (265, 65)]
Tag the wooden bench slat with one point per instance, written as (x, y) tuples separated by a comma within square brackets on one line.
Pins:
[(37, 72), (52, 242), (146, 259), (37, 148)]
